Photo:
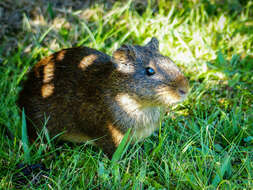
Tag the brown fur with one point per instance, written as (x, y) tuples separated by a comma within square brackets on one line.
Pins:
[(88, 95)]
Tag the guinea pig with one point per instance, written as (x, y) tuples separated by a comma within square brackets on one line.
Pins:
[(88, 95)]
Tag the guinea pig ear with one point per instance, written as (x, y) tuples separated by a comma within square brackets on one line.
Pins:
[(153, 44), (124, 54)]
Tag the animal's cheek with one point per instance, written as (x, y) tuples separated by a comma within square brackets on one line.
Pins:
[(168, 95)]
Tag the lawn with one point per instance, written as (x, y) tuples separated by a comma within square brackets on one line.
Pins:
[(206, 142)]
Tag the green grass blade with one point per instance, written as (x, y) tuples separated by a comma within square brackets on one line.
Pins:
[(89, 33), (45, 34), (50, 11), (27, 158), (122, 147)]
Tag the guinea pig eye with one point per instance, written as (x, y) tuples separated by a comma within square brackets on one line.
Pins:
[(150, 71)]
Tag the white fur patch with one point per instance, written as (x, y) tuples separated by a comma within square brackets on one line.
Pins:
[(128, 113), (126, 68)]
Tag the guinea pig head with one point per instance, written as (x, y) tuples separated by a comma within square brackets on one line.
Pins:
[(149, 77)]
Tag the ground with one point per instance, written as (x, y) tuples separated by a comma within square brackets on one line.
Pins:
[(204, 143)]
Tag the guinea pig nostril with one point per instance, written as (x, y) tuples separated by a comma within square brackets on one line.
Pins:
[(181, 92)]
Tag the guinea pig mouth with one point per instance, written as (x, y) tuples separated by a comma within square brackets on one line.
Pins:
[(169, 96), (172, 100)]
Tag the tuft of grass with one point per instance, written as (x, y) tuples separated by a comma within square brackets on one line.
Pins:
[(203, 143)]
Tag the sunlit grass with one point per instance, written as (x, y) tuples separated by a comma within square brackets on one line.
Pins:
[(204, 143)]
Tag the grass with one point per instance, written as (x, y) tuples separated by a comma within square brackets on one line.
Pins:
[(204, 143)]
